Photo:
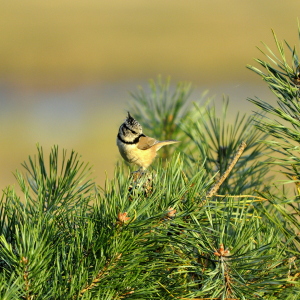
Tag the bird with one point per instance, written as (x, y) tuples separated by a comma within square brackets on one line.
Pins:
[(135, 147)]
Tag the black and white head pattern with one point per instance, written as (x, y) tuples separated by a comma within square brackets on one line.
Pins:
[(130, 131)]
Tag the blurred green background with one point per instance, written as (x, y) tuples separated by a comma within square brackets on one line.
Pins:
[(66, 66)]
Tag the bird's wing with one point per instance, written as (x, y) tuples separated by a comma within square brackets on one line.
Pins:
[(146, 142)]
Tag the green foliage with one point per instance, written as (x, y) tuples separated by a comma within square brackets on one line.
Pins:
[(158, 235), (217, 139), (252, 266), (284, 81), (282, 122)]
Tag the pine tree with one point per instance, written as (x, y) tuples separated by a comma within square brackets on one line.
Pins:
[(202, 223)]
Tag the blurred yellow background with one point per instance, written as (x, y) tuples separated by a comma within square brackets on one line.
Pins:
[(66, 66)]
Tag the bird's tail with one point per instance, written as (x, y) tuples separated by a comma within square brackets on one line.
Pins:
[(164, 143)]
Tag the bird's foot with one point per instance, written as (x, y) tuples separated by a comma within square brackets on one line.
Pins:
[(138, 174)]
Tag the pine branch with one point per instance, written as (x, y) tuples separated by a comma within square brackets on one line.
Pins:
[(104, 272), (236, 157)]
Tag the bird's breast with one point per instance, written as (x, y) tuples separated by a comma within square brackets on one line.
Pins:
[(132, 154)]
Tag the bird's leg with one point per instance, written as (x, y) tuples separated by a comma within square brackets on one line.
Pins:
[(138, 173)]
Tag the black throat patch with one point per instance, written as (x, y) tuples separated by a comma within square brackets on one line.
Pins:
[(135, 141)]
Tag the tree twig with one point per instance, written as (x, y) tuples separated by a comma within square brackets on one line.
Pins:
[(236, 157)]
